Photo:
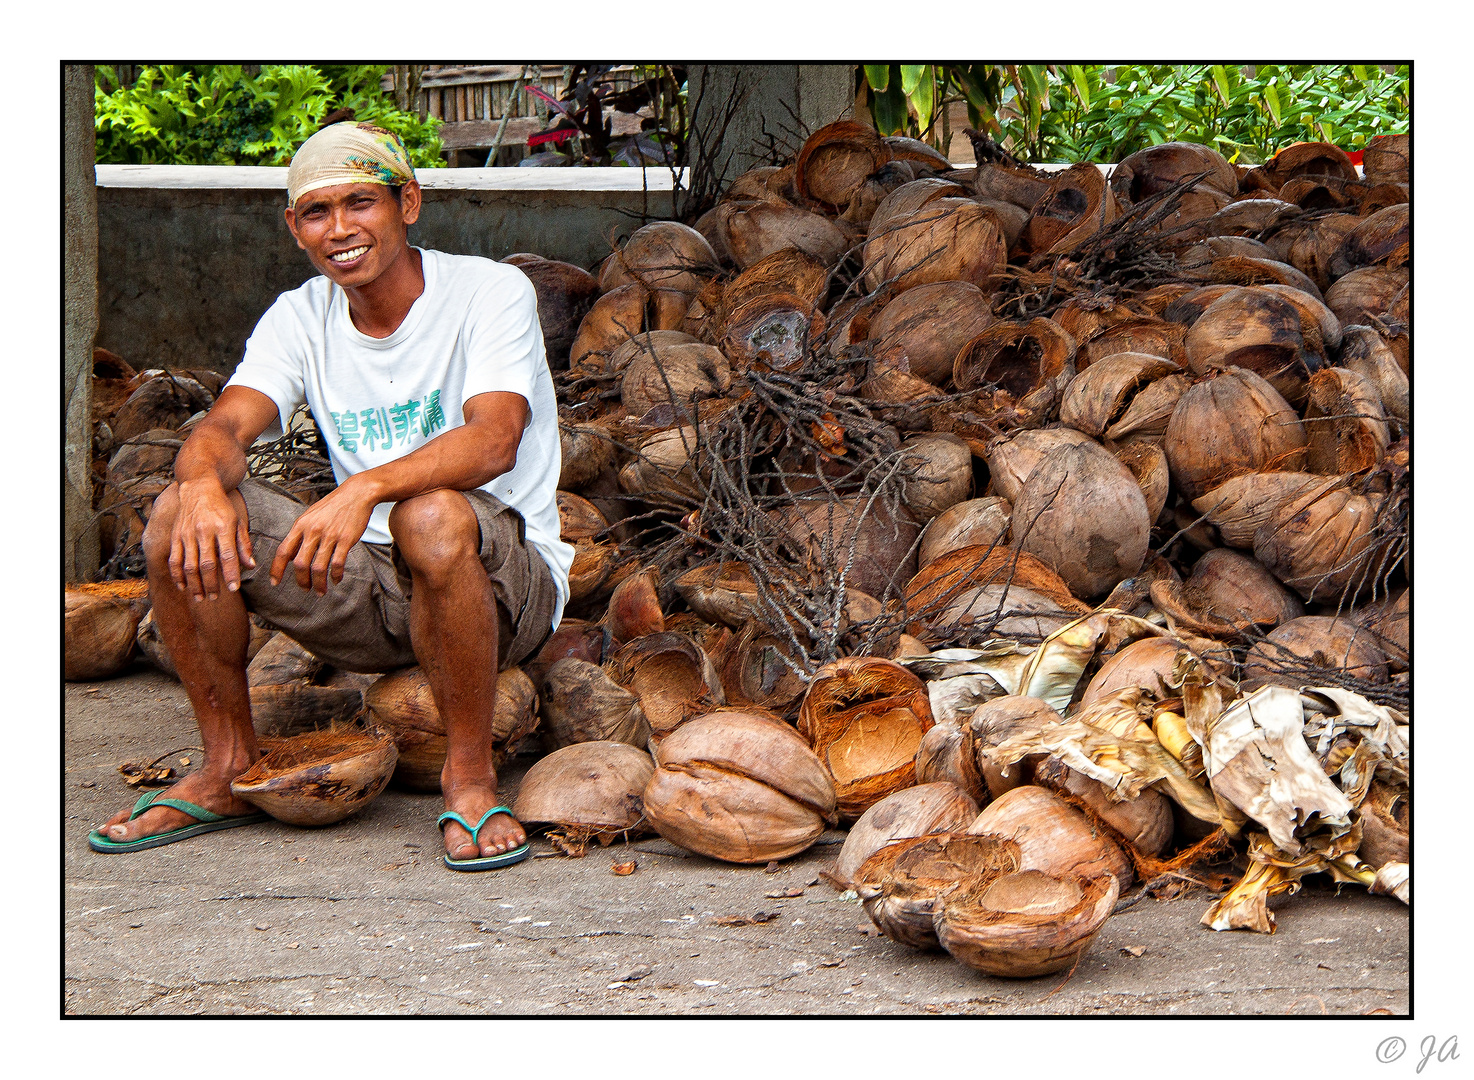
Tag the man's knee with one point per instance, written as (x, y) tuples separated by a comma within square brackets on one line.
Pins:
[(160, 527), (436, 532)]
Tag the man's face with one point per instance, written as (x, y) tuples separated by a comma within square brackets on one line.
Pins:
[(352, 233)]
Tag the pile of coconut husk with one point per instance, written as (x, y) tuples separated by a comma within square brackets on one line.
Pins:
[(1042, 495)]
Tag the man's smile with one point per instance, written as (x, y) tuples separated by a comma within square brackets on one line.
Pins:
[(342, 258)]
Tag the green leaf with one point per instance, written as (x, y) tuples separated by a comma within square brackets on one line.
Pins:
[(889, 109), (1082, 84), (1220, 81), (911, 77), (923, 100), (1272, 103), (878, 76)]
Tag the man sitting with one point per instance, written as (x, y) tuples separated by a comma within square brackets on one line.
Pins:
[(440, 546)]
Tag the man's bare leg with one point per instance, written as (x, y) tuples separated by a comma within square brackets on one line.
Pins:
[(207, 640), (453, 627)]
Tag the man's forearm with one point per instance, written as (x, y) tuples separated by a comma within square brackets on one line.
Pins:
[(210, 454), (461, 459)]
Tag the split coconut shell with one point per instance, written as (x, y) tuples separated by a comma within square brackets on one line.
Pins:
[(590, 790), (917, 811), (581, 703), (101, 627), (319, 777), (1345, 423), (1231, 423), (1026, 365), (673, 678), (1325, 545), (740, 786), (864, 718), (1052, 835), (922, 330)]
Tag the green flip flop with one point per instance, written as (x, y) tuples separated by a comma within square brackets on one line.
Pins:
[(485, 862), (206, 821)]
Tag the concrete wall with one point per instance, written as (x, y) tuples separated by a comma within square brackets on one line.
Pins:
[(79, 224), (190, 256)]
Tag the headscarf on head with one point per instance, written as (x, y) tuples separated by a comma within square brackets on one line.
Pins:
[(348, 153)]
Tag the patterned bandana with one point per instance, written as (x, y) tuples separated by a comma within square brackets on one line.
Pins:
[(348, 153)]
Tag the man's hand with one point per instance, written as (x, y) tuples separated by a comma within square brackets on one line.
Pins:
[(209, 542), (319, 542)]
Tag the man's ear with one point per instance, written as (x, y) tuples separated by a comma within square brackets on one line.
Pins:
[(409, 202), (291, 216)]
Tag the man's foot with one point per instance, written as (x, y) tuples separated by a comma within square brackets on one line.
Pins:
[(201, 788), (500, 834)]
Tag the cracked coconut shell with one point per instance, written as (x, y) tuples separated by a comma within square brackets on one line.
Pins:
[(836, 160), (1077, 205), (581, 703), (899, 884), (319, 777), (1023, 924), (588, 790), (917, 811), (740, 786), (672, 676), (1083, 515), (1296, 653), (1324, 544), (949, 239), (662, 255), (1231, 423), (1052, 835), (922, 330), (1259, 331), (1345, 423), (101, 627), (864, 718), (1026, 365), (401, 704), (1098, 397)]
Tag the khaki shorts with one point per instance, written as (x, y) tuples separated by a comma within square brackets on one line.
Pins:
[(362, 624)]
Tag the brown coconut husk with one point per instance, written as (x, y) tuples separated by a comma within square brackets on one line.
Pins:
[(723, 592), (997, 611), (1205, 252), (1304, 650), (662, 255), (998, 720), (788, 271), (634, 607), (1233, 422), (1145, 822), (650, 343), (947, 579), (1147, 664), (1248, 270), (1251, 217), (319, 777), (776, 330), (593, 561), (1018, 184), (614, 318), (975, 523), (165, 401), (1385, 814), (870, 194), (1379, 238), (574, 639), (865, 717), (1158, 168), (1012, 218), (1315, 317), (578, 519), (1052, 835), (740, 786), (1148, 464), (1227, 593), (1258, 331), (1345, 423), (401, 704), (1012, 458), (1023, 367), (1315, 193), (587, 791), (1389, 622), (565, 293), (281, 660), (835, 160), (1240, 505), (753, 230), (581, 703), (1309, 243), (948, 753), (1365, 294), (908, 198), (1308, 159), (1388, 159), (1326, 546), (101, 628), (1098, 397), (1083, 514), (922, 330), (674, 375), (1025, 924), (1365, 351), (110, 377), (587, 449), (942, 476), (672, 676), (1146, 418), (949, 239), (905, 148), (756, 669), (664, 466), (938, 807), (900, 883), (1077, 205), (827, 530), (1085, 317), (1149, 336), (1187, 308)]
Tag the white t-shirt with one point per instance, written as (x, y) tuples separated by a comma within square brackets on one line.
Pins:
[(474, 329)]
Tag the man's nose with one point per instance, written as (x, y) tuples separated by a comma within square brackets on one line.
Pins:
[(339, 222)]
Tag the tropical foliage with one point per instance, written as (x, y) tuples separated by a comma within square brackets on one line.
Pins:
[(1072, 112), (219, 115)]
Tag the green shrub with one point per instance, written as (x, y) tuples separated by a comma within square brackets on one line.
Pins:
[(218, 115)]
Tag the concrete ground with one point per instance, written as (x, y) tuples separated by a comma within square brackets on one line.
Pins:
[(361, 917)]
